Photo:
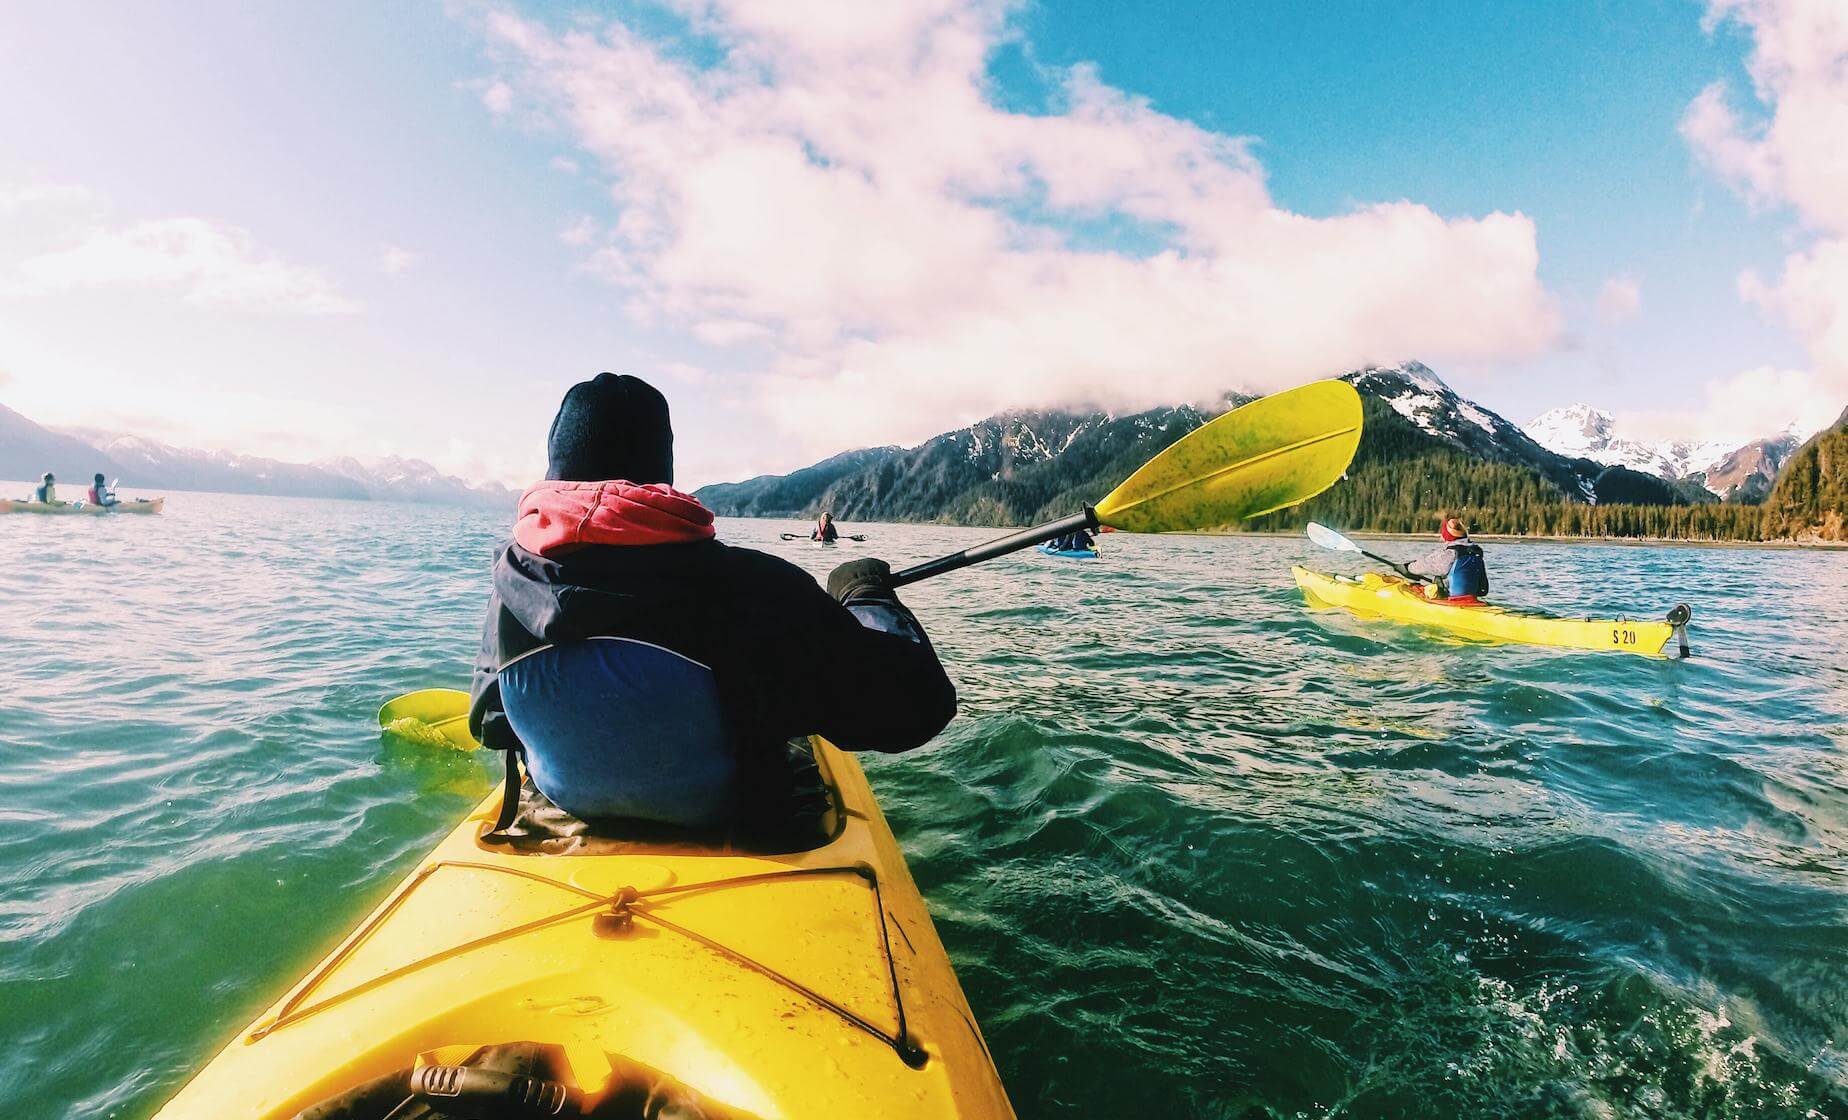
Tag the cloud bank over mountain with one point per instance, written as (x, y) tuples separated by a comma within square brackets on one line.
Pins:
[(832, 199), (1786, 152)]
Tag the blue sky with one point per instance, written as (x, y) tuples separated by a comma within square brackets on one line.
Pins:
[(349, 228)]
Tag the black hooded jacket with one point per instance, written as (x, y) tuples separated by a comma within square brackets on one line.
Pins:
[(788, 659)]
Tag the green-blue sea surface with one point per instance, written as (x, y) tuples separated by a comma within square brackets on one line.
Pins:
[(1197, 851)]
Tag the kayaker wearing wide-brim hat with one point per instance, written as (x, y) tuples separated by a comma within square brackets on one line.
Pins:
[(649, 672), (1456, 565)]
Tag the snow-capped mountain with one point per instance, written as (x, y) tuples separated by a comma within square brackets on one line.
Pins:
[(145, 463), (1424, 444), (1413, 391), (1722, 467), (413, 480)]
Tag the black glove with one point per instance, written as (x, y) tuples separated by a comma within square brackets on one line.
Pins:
[(864, 579)]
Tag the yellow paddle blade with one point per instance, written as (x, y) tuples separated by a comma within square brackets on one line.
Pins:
[(432, 717), (1260, 457)]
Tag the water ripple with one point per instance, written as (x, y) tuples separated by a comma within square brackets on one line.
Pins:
[(1197, 851)]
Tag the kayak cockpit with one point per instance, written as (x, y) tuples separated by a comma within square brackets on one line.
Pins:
[(516, 1081), (801, 817)]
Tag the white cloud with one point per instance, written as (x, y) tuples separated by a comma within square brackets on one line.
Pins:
[(1738, 408), (18, 197), (840, 186), (730, 332), (567, 166), (685, 372), (1793, 155), (205, 263), (498, 97), (1620, 299), (396, 261), (581, 232)]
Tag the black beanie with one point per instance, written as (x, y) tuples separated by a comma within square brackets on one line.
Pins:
[(611, 427)]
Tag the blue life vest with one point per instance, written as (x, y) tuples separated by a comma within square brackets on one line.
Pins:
[(615, 727), (1468, 574)]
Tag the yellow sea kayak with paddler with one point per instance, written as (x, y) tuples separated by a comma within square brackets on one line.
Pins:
[(792, 984), (1390, 597)]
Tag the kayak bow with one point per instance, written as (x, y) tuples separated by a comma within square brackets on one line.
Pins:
[(803, 984), (1395, 599)]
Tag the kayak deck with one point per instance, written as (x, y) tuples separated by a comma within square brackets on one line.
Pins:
[(140, 505), (806, 984), (1398, 600), (1070, 553)]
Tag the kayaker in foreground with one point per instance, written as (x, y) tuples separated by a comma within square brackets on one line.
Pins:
[(825, 532), (100, 494), (47, 490), (647, 671), (1457, 564)]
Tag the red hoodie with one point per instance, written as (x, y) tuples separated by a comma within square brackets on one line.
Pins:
[(560, 517)]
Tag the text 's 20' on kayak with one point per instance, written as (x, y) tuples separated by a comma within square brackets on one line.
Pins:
[(139, 505), (1069, 553), (803, 984), (1389, 597)]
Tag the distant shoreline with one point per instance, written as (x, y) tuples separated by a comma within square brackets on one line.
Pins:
[(1495, 538), (1369, 535)]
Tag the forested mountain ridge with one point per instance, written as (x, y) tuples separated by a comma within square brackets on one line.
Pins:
[(1425, 449), (1004, 470), (1810, 498)]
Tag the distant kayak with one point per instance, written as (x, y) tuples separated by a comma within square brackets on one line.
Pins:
[(1398, 600), (857, 538), (139, 505), (1069, 553)]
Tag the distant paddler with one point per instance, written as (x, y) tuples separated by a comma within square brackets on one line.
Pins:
[(1454, 571), (46, 492), (101, 494), (825, 532), (1456, 566)]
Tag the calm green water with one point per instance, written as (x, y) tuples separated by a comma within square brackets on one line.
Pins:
[(1197, 851)]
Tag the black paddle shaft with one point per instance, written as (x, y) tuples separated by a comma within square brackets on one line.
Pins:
[(1402, 569), (1000, 546)]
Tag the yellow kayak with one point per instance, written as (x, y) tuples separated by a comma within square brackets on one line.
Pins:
[(1389, 597), (139, 505), (807, 984)]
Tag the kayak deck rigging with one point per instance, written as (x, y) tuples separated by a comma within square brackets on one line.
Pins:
[(731, 969), (613, 914)]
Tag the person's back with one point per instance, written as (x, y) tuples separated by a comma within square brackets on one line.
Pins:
[(99, 493), (1457, 564), (707, 658), (46, 491)]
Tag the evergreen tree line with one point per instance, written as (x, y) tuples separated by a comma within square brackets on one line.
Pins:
[(1402, 483)]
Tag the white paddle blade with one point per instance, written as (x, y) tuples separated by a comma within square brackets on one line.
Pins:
[(1325, 537)]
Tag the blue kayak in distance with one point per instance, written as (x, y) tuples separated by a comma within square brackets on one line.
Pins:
[(1069, 553)]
